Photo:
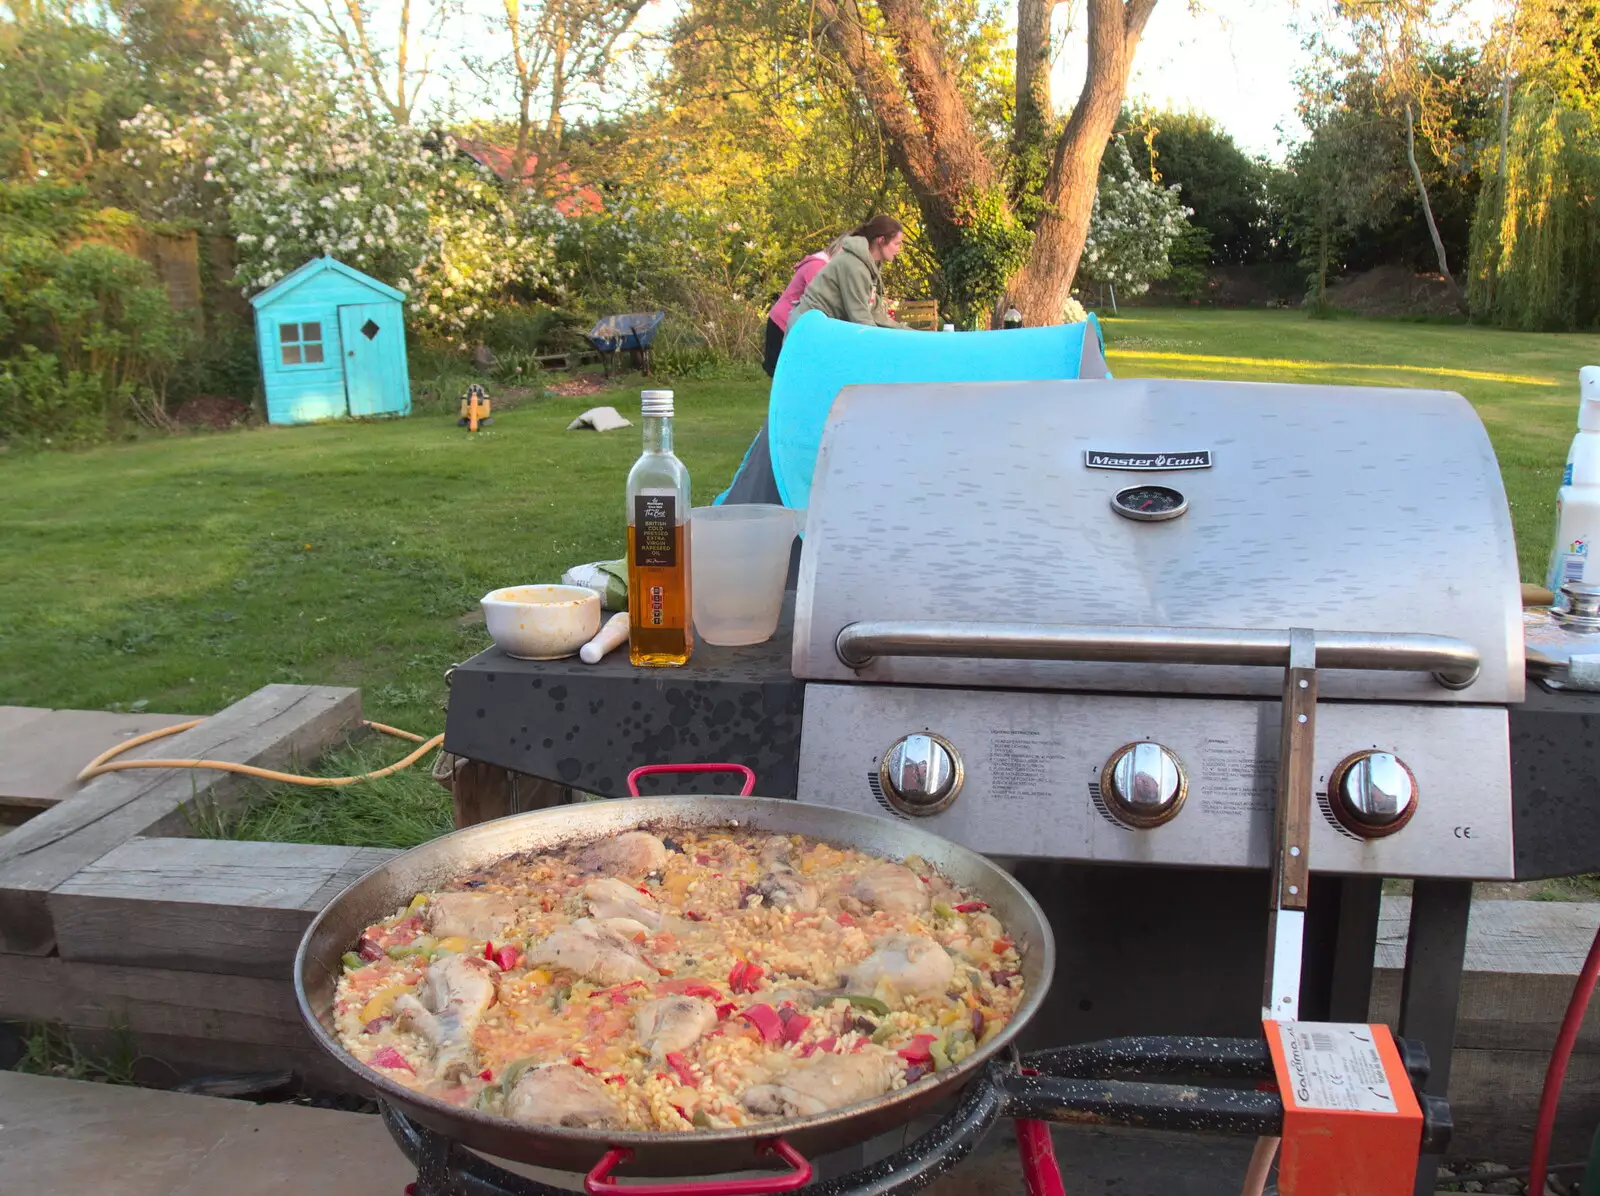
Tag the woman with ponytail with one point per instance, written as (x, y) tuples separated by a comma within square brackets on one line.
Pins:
[(848, 288)]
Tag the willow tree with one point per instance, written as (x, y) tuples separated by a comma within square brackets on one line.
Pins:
[(1536, 232)]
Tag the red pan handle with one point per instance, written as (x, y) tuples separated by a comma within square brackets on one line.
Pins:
[(645, 770), (600, 1183), (1041, 1174)]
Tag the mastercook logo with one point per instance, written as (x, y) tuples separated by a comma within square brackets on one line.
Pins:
[(1198, 459)]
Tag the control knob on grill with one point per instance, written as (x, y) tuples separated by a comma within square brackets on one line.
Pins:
[(920, 774), (1373, 794), (1143, 785)]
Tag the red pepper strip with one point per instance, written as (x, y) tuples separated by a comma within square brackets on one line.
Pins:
[(486, 1074), (645, 891), (745, 977), (681, 1113), (765, 1019), (971, 907), (619, 1078), (488, 951), (794, 1027), (808, 1050), (507, 957), (916, 1051), (845, 920), (1003, 944), (681, 1065), (389, 1057), (690, 987), (616, 992), (724, 1010), (578, 1062), (829, 1044)]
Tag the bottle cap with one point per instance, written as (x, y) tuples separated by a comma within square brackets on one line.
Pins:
[(656, 403), (1589, 392)]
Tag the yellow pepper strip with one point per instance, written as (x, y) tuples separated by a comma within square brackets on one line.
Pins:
[(379, 1005)]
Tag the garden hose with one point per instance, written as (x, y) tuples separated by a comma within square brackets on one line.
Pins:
[(106, 761)]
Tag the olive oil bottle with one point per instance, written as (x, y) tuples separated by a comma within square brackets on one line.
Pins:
[(660, 620)]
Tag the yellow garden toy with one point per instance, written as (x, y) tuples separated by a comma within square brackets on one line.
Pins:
[(475, 407)]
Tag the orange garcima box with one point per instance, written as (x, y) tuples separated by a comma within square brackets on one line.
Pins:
[(1351, 1123)]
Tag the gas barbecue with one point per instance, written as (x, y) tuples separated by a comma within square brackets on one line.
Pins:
[(1057, 622), (1162, 539)]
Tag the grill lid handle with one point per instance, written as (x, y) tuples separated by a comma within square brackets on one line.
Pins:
[(1454, 663)]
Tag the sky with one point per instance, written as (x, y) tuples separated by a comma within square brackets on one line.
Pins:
[(1233, 60)]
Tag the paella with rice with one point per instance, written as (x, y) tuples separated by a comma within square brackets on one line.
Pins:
[(709, 979)]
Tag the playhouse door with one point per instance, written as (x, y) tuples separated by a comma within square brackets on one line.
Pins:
[(373, 350)]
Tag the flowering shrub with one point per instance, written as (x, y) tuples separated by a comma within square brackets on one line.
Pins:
[(1073, 312), (301, 173), (1133, 225), (645, 251)]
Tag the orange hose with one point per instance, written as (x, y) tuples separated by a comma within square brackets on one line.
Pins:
[(106, 761), (1255, 1179)]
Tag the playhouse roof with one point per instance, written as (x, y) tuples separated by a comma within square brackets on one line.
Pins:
[(315, 267)]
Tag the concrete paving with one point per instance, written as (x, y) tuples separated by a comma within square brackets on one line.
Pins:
[(71, 1138)]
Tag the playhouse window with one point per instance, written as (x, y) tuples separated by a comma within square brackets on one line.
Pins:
[(301, 344)]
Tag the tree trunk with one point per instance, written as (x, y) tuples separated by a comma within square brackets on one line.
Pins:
[(1033, 62), (928, 129), (1040, 290), (1427, 208), (918, 108), (555, 127)]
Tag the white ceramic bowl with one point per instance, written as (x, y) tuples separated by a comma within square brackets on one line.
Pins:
[(542, 622)]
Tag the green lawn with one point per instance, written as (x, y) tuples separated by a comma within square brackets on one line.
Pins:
[(180, 574)]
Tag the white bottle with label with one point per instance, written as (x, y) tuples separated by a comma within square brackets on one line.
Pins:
[(1575, 555)]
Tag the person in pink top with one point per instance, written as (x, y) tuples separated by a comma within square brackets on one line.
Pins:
[(805, 270)]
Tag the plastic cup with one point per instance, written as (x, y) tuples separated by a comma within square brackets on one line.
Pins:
[(739, 559)]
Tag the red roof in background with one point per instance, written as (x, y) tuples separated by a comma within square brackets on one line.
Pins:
[(570, 196)]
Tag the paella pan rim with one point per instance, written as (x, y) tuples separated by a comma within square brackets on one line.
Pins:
[(391, 884)]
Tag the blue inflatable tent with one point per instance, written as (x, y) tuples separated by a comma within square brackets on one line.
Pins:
[(822, 356)]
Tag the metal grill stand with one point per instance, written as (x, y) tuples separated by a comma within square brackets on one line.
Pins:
[(1195, 1085)]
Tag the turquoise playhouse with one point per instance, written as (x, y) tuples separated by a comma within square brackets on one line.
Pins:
[(822, 356), (333, 344)]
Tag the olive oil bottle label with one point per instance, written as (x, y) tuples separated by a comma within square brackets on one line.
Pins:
[(655, 521)]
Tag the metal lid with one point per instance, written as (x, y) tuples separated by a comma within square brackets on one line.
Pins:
[(656, 403), (1358, 510)]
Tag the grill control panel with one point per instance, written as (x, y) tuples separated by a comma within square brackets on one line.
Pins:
[(1403, 790)]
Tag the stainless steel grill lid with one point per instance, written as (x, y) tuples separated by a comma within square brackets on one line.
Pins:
[(1166, 505)]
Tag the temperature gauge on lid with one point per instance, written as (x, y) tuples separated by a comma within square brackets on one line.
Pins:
[(1149, 504)]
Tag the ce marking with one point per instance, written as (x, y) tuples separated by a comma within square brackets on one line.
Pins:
[(1463, 832)]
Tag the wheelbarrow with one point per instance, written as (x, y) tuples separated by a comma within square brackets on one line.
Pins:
[(632, 332)]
